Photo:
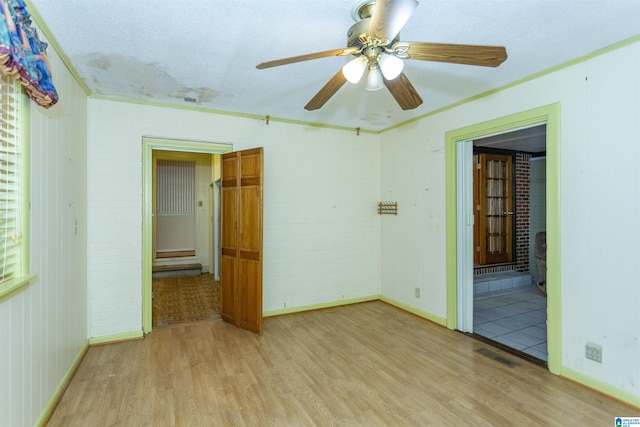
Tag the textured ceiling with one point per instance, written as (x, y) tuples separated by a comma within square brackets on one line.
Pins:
[(165, 51)]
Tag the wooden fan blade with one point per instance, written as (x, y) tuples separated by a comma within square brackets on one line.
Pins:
[(327, 91), (284, 61), (487, 56), (389, 16), (403, 92)]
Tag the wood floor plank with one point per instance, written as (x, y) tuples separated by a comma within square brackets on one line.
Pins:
[(365, 364)]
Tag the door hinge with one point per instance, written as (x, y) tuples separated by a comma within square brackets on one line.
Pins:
[(478, 165)]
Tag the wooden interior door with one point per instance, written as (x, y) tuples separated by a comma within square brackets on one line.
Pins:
[(493, 199), (241, 239)]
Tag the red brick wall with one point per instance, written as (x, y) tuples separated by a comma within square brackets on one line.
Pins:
[(522, 211)]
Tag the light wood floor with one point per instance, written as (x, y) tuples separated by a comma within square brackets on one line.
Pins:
[(367, 364)]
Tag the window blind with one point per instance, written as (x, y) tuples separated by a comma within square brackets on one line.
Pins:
[(176, 187), (10, 258)]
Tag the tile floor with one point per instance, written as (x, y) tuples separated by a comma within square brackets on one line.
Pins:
[(515, 317)]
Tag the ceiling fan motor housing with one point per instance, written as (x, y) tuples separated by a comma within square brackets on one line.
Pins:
[(357, 35)]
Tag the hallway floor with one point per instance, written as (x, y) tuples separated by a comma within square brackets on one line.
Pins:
[(515, 317), (184, 299)]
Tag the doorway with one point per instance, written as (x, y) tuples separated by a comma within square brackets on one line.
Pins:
[(460, 284), (183, 284), (175, 148), (183, 210), (509, 204)]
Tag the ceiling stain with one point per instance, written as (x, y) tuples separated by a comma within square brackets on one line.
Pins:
[(375, 118), (200, 94), (128, 77), (99, 63)]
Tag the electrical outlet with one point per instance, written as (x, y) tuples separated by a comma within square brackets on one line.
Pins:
[(417, 292), (593, 351)]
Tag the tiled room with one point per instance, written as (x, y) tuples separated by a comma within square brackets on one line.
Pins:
[(513, 316)]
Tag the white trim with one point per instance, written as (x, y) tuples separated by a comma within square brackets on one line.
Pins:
[(465, 219)]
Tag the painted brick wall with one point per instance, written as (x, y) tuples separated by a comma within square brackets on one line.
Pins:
[(321, 189)]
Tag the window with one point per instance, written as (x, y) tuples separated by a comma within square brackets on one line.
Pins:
[(14, 213)]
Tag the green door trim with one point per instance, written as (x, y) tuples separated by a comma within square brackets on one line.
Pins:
[(148, 145), (549, 114)]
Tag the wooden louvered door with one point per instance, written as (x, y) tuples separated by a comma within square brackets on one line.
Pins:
[(241, 239), (493, 199)]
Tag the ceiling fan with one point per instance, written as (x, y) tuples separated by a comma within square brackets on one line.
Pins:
[(374, 42)]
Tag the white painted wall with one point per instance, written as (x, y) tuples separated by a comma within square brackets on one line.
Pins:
[(321, 226), (600, 130), (43, 327), (412, 244), (204, 234), (175, 232)]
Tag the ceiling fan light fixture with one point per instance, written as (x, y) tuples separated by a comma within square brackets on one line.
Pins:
[(390, 65), (354, 69), (374, 79)]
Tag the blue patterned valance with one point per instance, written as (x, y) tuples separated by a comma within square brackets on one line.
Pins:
[(22, 54)]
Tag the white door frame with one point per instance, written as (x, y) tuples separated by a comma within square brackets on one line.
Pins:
[(464, 221)]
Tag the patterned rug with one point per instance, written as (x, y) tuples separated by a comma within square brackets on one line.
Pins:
[(185, 299)]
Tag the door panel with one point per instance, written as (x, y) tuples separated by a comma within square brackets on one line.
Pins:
[(227, 287), (250, 233), (249, 315), (493, 198), (241, 295), (228, 251)]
